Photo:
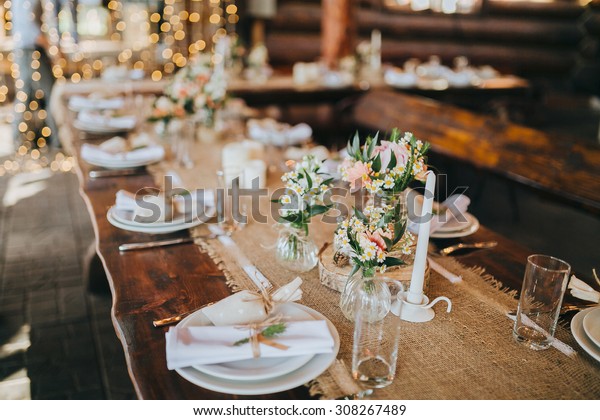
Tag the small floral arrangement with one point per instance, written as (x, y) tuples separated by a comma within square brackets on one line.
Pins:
[(195, 90), (389, 166), (369, 237), (306, 187)]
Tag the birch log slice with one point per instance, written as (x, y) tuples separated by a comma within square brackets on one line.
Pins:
[(335, 277)]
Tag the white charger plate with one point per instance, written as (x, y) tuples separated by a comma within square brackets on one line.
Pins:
[(581, 337), (152, 228), (591, 325), (255, 369), (471, 227), (313, 368)]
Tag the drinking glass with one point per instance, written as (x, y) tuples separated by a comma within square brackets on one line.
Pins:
[(376, 335), (184, 142), (541, 297), (230, 215)]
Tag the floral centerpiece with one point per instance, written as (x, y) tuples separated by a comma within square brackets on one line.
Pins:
[(388, 166), (306, 187), (196, 90), (370, 238)]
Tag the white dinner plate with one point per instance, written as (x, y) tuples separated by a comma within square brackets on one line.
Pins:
[(471, 226), (127, 217), (581, 337), (152, 228), (121, 164), (99, 129), (309, 371), (254, 369), (591, 325)]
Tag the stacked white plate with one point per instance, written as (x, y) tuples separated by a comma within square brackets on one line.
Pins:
[(585, 327), (456, 229), (267, 375), (82, 103), (125, 219)]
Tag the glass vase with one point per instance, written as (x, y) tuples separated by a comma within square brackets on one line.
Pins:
[(392, 199), (367, 293), (295, 250)]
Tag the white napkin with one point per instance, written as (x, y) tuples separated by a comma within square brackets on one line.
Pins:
[(209, 345), (128, 201), (243, 307), (397, 77), (85, 102), (456, 202), (115, 149), (270, 131), (582, 290), (126, 122)]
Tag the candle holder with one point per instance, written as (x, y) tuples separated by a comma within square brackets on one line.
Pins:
[(413, 305), (417, 312)]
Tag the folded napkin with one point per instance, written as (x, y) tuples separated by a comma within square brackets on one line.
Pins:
[(117, 149), (188, 346), (126, 122), (128, 201), (397, 77), (246, 307), (582, 290), (85, 102), (270, 131), (446, 215)]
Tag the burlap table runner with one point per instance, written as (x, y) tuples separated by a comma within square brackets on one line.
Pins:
[(466, 354)]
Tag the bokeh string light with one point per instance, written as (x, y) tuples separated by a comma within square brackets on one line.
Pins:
[(158, 42)]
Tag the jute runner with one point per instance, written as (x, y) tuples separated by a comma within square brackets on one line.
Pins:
[(466, 354)]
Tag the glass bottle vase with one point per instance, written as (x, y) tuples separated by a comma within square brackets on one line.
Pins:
[(367, 293), (295, 250)]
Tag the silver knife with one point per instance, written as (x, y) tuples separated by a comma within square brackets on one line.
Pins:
[(165, 242), (115, 172)]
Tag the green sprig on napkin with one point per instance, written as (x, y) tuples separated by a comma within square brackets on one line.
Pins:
[(269, 332)]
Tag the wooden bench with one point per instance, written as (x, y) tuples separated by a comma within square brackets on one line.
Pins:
[(564, 167)]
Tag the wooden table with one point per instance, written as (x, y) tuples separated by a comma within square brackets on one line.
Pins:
[(156, 283)]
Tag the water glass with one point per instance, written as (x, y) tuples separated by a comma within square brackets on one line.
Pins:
[(183, 143), (541, 297), (375, 346), (230, 215)]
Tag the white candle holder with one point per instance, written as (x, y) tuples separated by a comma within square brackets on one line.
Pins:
[(413, 312), (413, 305)]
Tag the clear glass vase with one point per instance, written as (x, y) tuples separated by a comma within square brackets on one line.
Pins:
[(295, 250), (367, 293), (391, 199)]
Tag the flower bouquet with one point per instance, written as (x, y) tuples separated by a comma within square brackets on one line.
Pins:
[(306, 188), (368, 238)]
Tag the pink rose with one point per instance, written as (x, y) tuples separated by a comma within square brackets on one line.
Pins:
[(377, 238), (359, 171), (385, 153)]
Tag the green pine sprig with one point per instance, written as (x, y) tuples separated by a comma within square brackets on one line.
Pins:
[(270, 331)]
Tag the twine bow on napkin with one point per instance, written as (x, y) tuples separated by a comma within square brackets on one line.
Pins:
[(289, 293), (262, 332)]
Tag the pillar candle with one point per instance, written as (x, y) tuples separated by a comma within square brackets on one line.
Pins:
[(415, 293)]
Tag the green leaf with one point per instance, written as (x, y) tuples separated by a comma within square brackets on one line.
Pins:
[(317, 209), (371, 149), (393, 162), (308, 179), (355, 145), (270, 331), (395, 135), (376, 166), (355, 269), (399, 228), (359, 214), (393, 261), (389, 244)]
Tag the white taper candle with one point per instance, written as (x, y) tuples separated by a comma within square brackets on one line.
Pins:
[(415, 293)]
